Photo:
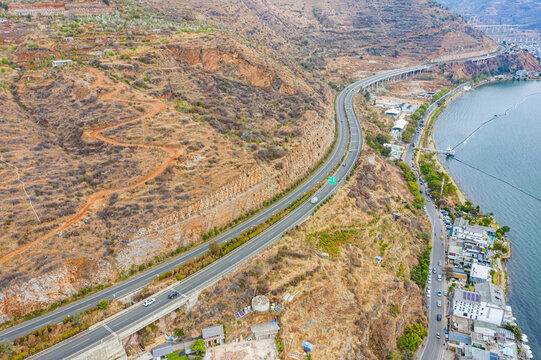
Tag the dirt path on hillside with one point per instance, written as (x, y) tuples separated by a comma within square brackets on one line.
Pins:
[(156, 108)]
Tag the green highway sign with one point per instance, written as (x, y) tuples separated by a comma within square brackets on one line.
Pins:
[(332, 180)]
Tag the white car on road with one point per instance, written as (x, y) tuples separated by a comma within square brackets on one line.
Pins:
[(149, 302)]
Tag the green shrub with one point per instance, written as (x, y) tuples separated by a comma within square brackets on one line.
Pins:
[(413, 337), (104, 304), (419, 274)]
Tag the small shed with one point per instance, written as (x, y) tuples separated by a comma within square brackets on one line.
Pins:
[(307, 346), (265, 331), (57, 63), (213, 335)]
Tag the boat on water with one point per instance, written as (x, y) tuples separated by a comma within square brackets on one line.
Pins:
[(449, 152)]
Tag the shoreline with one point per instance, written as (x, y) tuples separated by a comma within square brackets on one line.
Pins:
[(499, 258), (428, 136)]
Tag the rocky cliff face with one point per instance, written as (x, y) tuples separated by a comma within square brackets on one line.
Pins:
[(180, 133), (350, 305), (230, 64), (129, 228)]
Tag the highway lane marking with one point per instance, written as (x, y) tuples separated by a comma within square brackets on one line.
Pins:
[(109, 329), (349, 98)]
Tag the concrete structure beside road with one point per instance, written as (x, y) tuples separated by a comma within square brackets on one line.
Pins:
[(392, 112), (261, 303), (265, 331)]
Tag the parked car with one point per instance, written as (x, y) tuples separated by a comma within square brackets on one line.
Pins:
[(438, 335), (445, 292), (149, 302), (439, 303), (173, 294), (440, 263), (439, 277), (439, 293)]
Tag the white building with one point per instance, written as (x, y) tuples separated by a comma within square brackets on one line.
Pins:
[(396, 151), (470, 305), (392, 112), (61, 63), (480, 273), (482, 235)]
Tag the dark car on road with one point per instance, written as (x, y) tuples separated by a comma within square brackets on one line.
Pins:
[(173, 295), (438, 317)]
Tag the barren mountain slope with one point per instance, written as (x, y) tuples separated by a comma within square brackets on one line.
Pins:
[(348, 305), (317, 29), (156, 131), (176, 119)]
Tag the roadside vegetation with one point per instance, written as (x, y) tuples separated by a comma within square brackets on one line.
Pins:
[(407, 134), (434, 178), (410, 177), (413, 337), (377, 142), (41, 339), (419, 274)]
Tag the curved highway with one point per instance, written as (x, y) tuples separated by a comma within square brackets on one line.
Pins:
[(349, 135)]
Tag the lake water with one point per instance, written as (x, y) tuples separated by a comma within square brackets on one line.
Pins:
[(509, 148)]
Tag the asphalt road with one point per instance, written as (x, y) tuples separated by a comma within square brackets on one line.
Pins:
[(417, 136), (349, 133), (138, 281), (434, 347)]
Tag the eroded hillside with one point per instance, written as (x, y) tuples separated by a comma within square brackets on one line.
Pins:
[(174, 120), (192, 132), (348, 304)]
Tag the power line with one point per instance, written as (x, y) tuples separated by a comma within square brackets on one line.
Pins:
[(495, 117), (525, 192)]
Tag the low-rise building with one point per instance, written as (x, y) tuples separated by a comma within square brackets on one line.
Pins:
[(61, 63), (480, 273), (470, 305), (471, 352), (491, 293), (160, 352), (265, 331), (213, 335), (458, 341), (393, 112), (460, 324), (481, 235)]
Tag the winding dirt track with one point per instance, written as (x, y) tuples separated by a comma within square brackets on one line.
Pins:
[(156, 108)]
